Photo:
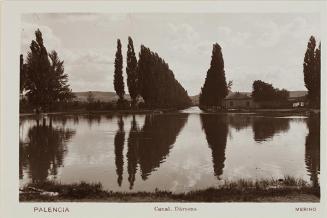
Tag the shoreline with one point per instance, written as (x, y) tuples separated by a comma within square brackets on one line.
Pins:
[(304, 111), (143, 111), (287, 190), (282, 112)]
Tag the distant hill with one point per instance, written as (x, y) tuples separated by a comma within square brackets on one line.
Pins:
[(98, 96), (293, 94), (112, 96)]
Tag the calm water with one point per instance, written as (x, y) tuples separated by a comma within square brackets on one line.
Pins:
[(178, 151)]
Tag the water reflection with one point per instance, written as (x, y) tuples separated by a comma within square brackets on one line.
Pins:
[(239, 121), (144, 152), (133, 147), (216, 131), (22, 157), (43, 151), (312, 149), (158, 135), (75, 119), (266, 127), (92, 118), (148, 147), (119, 147)]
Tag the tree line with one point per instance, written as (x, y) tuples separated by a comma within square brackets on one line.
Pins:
[(215, 88), (44, 84), (262, 91), (150, 78)]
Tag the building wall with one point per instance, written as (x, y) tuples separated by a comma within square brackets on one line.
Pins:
[(239, 103), (274, 104), (298, 104), (249, 103)]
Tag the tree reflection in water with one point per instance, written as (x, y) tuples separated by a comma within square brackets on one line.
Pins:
[(44, 145), (148, 147), (132, 146), (158, 135), (119, 147), (43, 151), (216, 130), (92, 118), (312, 149), (239, 121), (23, 157), (266, 127)]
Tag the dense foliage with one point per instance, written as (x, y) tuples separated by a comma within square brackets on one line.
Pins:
[(215, 87), (311, 71), (131, 71), (118, 74), (58, 86), (262, 92), (157, 84), (43, 78)]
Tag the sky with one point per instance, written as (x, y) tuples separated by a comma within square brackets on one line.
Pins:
[(255, 46)]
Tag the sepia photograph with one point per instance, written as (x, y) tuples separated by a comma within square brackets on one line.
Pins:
[(163, 109), (169, 107)]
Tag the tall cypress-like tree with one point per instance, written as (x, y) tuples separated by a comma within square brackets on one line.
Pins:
[(215, 88), (317, 76), (311, 71), (118, 74), (131, 71)]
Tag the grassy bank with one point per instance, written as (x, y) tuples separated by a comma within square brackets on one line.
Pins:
[(264, 112), (82, 112), (285, 190)]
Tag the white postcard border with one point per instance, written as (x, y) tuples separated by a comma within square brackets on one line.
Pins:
[(11, 207)]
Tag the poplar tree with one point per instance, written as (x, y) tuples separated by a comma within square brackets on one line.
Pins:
[(131, 71), (215, 88), (317, 77), (157, 84), (311, 71), (118, 74)]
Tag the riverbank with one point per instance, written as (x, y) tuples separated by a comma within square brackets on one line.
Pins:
[(109, 112), (282, 190), (265, 112)]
